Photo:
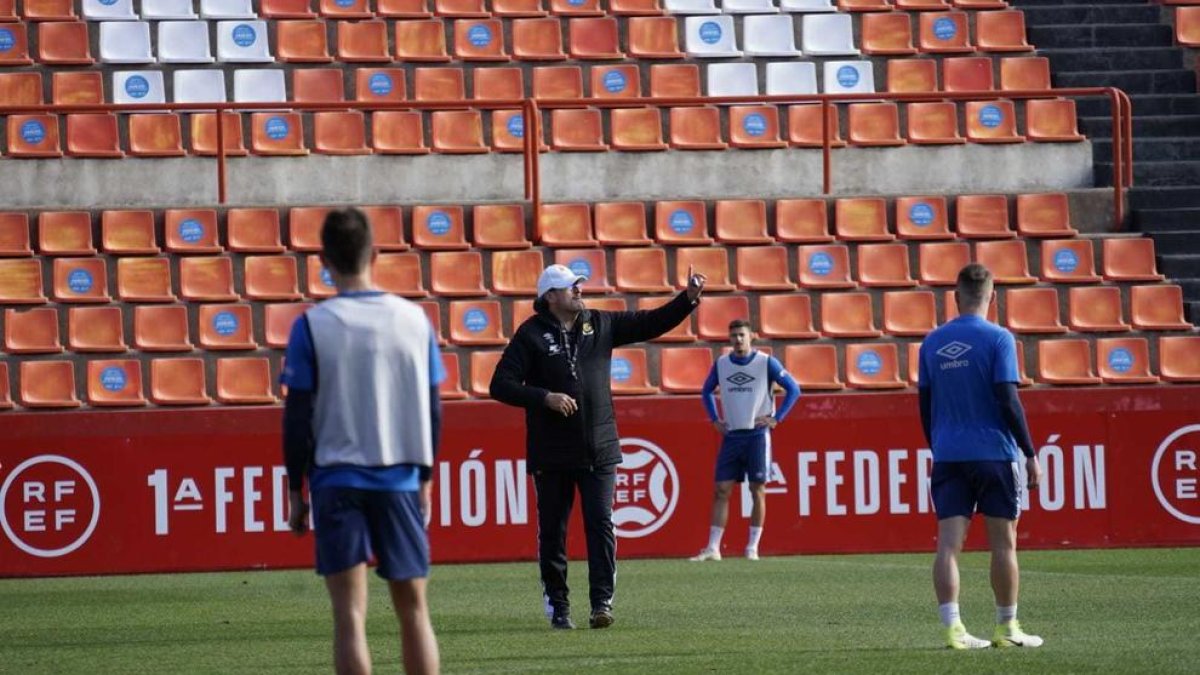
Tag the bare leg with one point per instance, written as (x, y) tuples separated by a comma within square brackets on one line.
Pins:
[(416, 632), (952, 532), (348, 593), (1002, 539), (758, 514), (720, 509)]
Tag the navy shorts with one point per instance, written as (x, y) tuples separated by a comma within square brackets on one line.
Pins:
[(352, 526), (963, 488), (744, 457)]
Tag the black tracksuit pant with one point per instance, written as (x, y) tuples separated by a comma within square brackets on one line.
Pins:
[(555, 498)]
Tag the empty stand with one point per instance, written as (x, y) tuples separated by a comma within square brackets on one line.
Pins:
[(21, 282), (681, 222), (671, 80), (711, 262), (1065, 362), (206, 279), (93, 135), (458, 132), (802, 221), (65, 233), (1044, 215), (637, 129), (499, 226), (933, 123), (616, 81), (14, 235), (33, 136), (398, 132), (982, 217), (884, 265), (1031, 72), (763, 268), (479, 40), (1124, 361), (908, 76), (191, 231), (204, 134), (717, 311), (754, 126), (873, 366), (483, 366), (32, 331), (476, 323), (253, 230), (875, 125), (67, 87), (557, 82), (786, 317), (1052, 120), (824, 267), (1068, 261), (732, 79), (862, 219), (967, 73), (848, 315), (244, 381), (1130, 259), (586, 262), (537, 40), (155, 135), (922, 218), (48, 384), (888, 34), (64, 43), (161, 328), (271, 278), (115, 383), (680, 333), (909, 313), (144, 280), (1096, 309), (944, 33), (1157, 307), (641, 270), (400, 273), (629, 373), (684, 369), (1002, 31), (80, 280), (226, 327), (516, 272), (813, 366), (566, 225), (696, 128), (455, 273), (621, 224), (1179, 358), (1033, 310), (451, 387), (1007, 260), (439, 228), (577, 130)]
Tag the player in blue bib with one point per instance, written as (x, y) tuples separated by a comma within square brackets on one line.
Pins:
[(745, 377), (974, 422)]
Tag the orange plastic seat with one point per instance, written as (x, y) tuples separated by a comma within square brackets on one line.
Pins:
[(14, 235), (1068, 261), (161, 328), (992, 122), (537, 39), (674, 80), (944, 33), (20, 88), (1052, 120), (304, 227), (637, 129), (629, 374), (21, 282), (680, 333), (33, 331), (824, 266), (439, 228), (451, 387), (400, 274), (982, 217), (226, 327), (653, 37), (144, 280), (862, 219), (681, 222), (345, 9), (712, 262), (456, 273), (875, 124), (922, 218), (439, 84), (884, 266), (845, 315), (206, 279), (621, 224), (278, 134), (887, 34), (802, 221), (909, 312), (93, 135), (1158, 307), (914, 364), (5, 393), (244, 381), (128, 232), (642, 270), (715, 313), (191, 231), (873, 366), (1007, 260), (1065, 362), (499, 226), (754, 126), (483, 366), (576, 8), (33, 136), (155, 135), (272, 277), (479, 40), (318, 280), (763, 268), (253, 230), (80, 280), (458, 132), (682, 370), (1130, 259), (403, 9), (593, 39), (1096, 309), (1044, 215), (1002, 31), (48, 384), (864, 5), (380, 84), (178, 382), (49, 10), (516, 9), (951, 309), (398, 132), (967, 73), (95, 329), (910, 76), (460, 8), (67, 87), (476, 323), (557, 82), (577, 130), (204, 134), (1124, 361), (938, 264), (516, 272), (565, 225), (1187, 26), (498, 83), (933, 123), (278, 319), (286, 9), (1033, 311), (318, 85), (301, 41), (634, 7), (742, 221), (65, 233), (588, 262), (1024, 72), (786, 317), (17, 40), (980, 4), (814, 367), (696, 128), (1179, 358), (615, 81), (421, 41)]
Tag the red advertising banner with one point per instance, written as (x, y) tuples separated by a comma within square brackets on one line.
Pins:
[(157, 491)]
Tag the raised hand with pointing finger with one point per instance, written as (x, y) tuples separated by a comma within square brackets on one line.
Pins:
[(695, 285)]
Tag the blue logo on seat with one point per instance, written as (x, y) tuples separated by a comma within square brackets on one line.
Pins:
[(581, 267), (475, 320), (438, 223), (244, 35), (755, 124), (614, 81), (7, 40), (277, 128), (990, 116), (820, 263), (681, 222), (108, 3), (1120, 360), (326, 277), (480, 35), (344, 4), (225, 323), (33, 132), (113, 378), (710, 32), (516, 126), (1066, 261), (137, 86), (945, 28), (576, 3), (79, 281), (847, 76), (191, 230), (921, 214), (380, 84), (869, 363), (620, 370)]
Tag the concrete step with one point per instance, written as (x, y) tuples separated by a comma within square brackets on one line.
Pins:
[(1120, 59), (1154, 173), (1143, 105), (1180, 266), (1094, 13), (1145, 125), (1172, 243), (1170, 148), (1100, 35), (1131, 82), (1193, 313), (1179, 197)]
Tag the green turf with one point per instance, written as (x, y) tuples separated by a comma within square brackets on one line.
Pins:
[(1119, 611)]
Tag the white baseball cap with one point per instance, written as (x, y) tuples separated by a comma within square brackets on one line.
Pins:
[(557, 276)]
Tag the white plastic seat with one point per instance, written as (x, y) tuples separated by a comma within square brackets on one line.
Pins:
[(732, 79), (711, 37), (157, 10), (849, 77), (227, 9), (138, 86), (768, 35), (120, 10), (828, 35), (183, 42), (691, 7), (125, 42), (785, 78), (259, 85), (199, 86), (807, 6), (748, 6), (243, 42)]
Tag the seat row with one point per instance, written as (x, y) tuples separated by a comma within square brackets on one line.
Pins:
[(1187, 26)]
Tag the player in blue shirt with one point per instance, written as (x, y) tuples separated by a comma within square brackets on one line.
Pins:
[(361, 424), (974, 422), (745, 377)]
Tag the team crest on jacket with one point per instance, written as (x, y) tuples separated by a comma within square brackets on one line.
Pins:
[(551, 345), (587, 328)]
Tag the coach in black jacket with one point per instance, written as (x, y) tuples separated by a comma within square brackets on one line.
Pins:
[(556, 367)]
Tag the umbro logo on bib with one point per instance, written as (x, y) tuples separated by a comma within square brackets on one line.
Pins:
[(740, 379)]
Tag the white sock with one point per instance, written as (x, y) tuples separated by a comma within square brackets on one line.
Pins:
[(755, 535), (949, 613), (714, 538), (1005, 614)]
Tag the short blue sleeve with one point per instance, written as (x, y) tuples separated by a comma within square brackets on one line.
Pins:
[(437, 371), (1004, 367), (923, 376), (299, 370)]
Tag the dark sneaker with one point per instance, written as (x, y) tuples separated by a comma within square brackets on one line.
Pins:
[(601, 618), (561, 620)]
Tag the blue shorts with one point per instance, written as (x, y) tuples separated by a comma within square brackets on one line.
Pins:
[(352, 526), (964, 488), (744, 457)]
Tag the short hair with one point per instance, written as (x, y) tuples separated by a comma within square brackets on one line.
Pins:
[(346, 240), (974, 285), (740, 323)]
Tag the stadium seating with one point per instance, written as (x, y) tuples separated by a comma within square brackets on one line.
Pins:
[(873, 366), (684, 369), (48, 384), (1179, 358), (1067, 362), (1124, 361), (33, 331)]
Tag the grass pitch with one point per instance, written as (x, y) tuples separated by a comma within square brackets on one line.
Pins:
[(1123, 611)]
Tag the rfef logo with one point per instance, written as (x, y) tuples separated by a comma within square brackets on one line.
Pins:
[(647, 489), (1176, 474), (49, 506)]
